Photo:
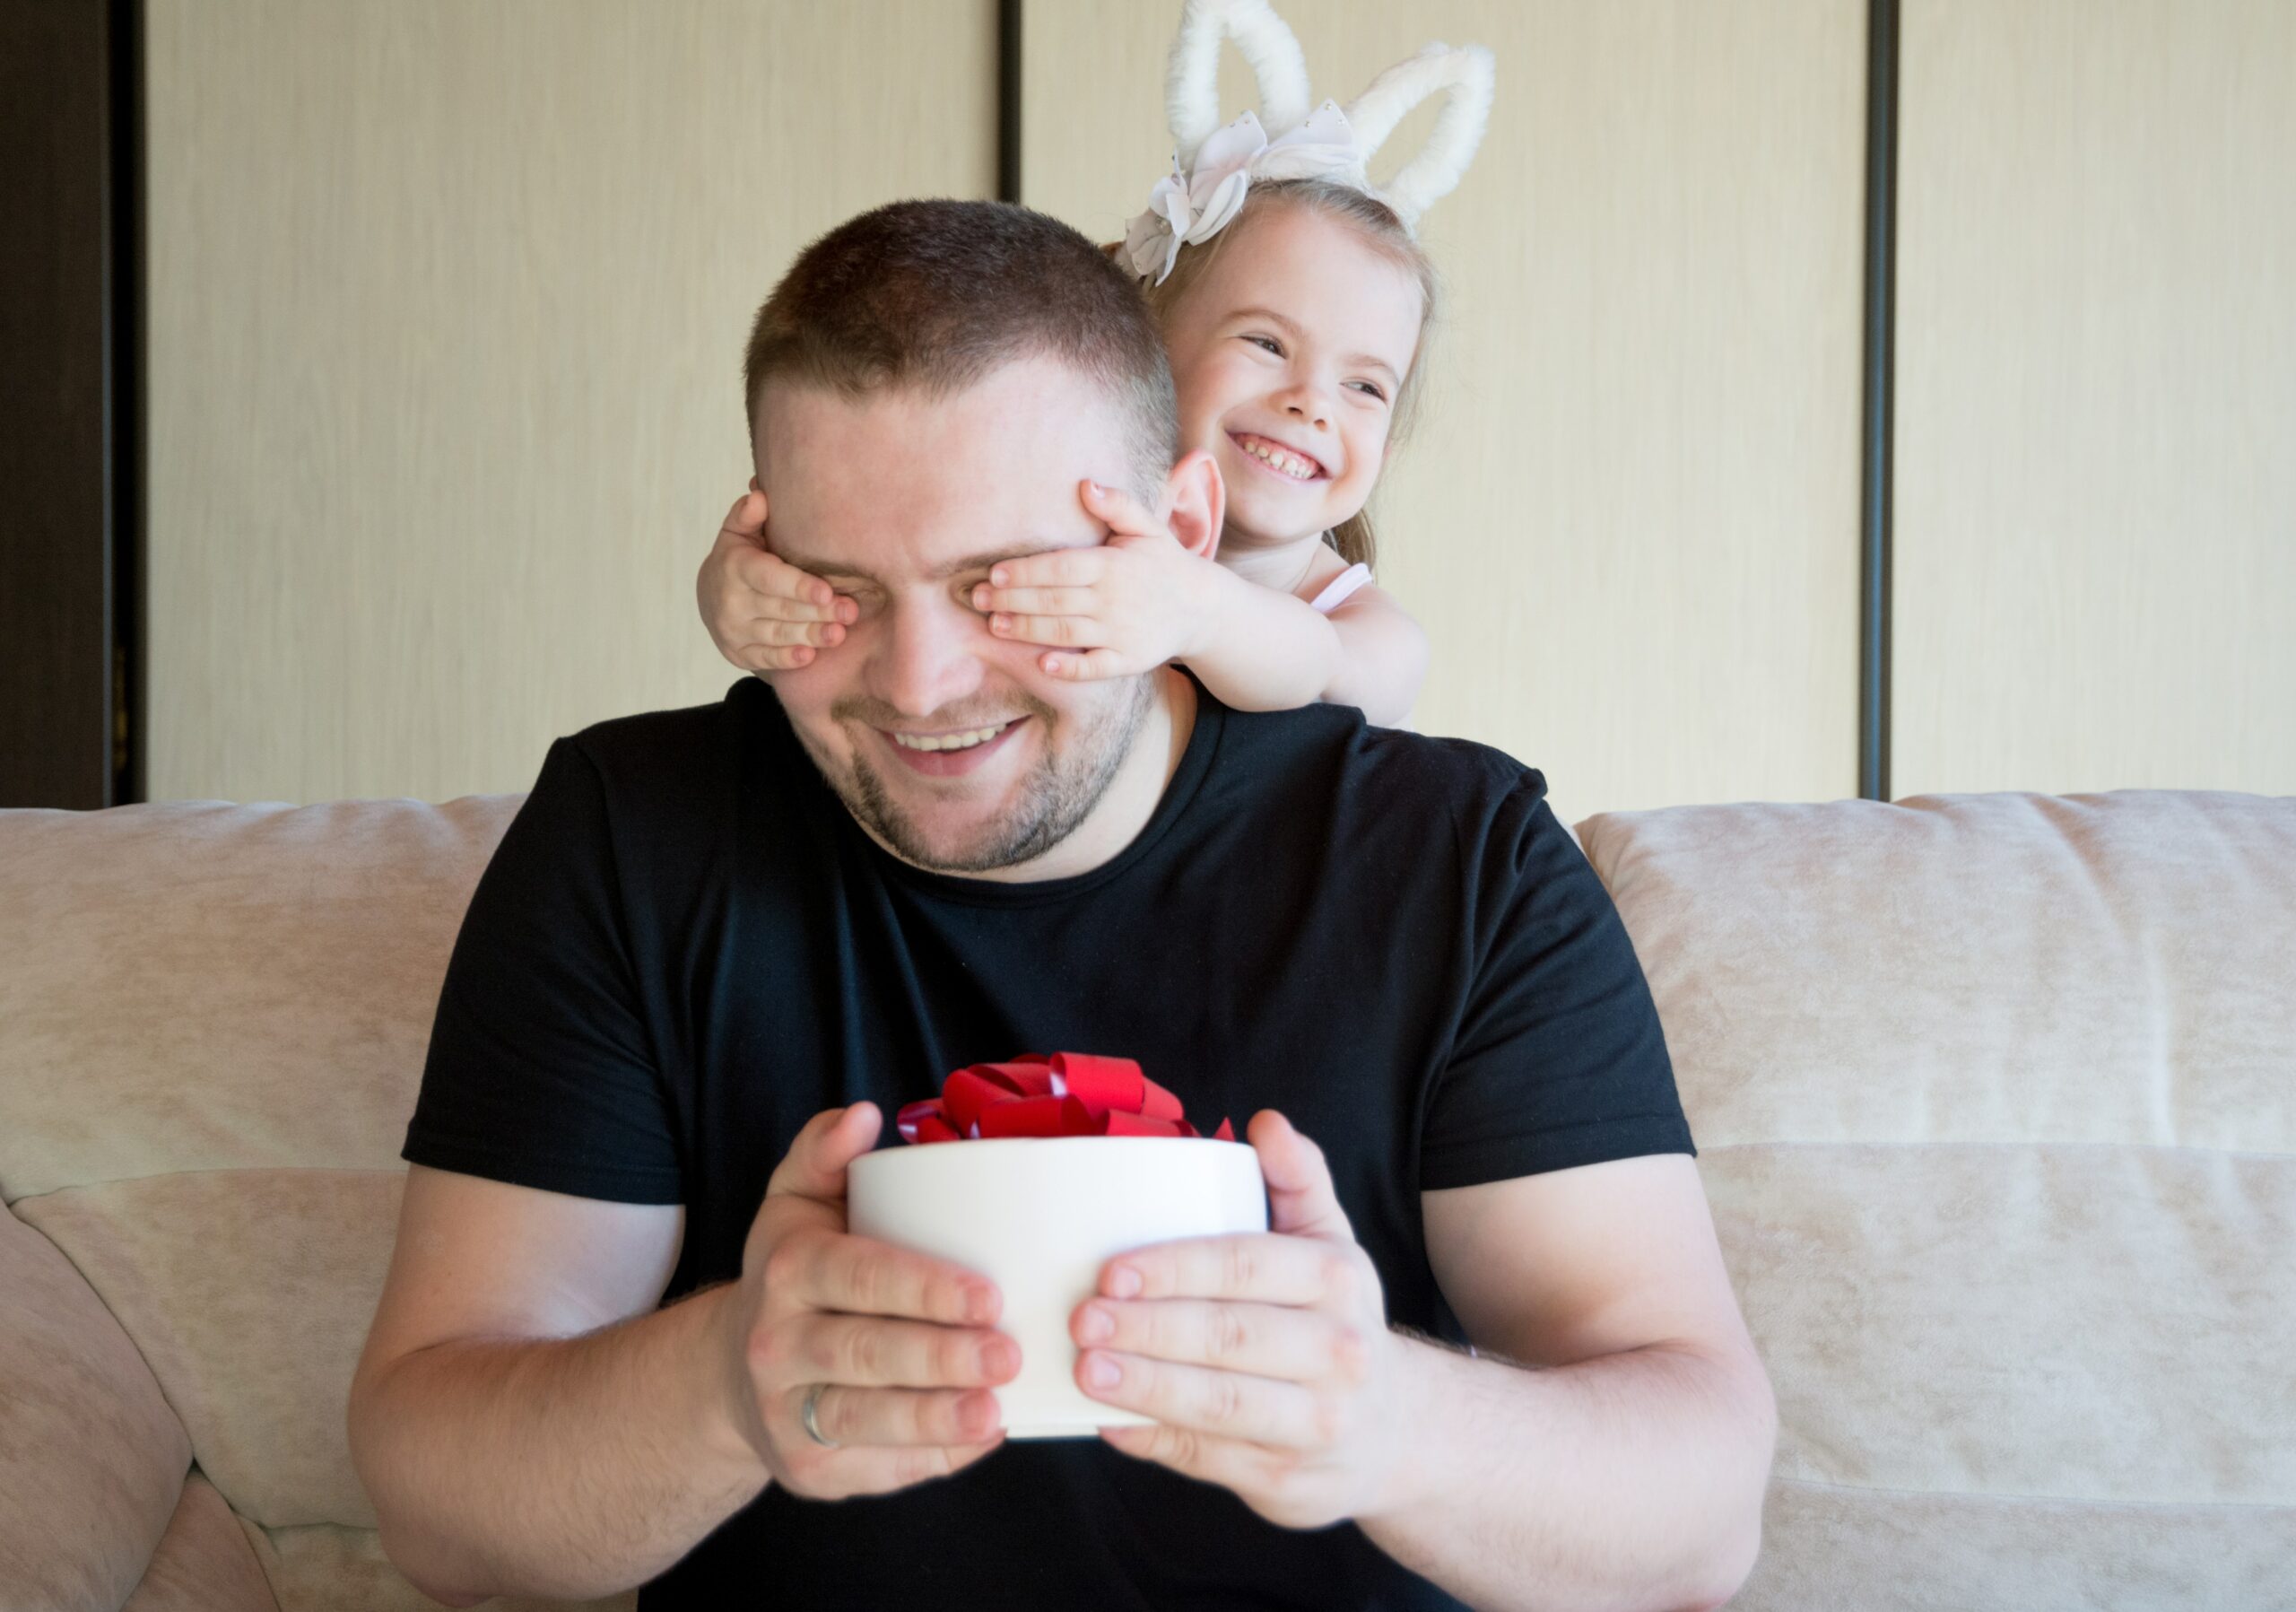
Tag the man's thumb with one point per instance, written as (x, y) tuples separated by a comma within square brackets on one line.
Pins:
[(1301, 1199), (816, 1164)]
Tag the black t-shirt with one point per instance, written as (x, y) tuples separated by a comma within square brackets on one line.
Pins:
[(685, 947)]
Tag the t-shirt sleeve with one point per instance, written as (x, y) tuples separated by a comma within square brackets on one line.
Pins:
[(1558, 1058), (541, 1070)]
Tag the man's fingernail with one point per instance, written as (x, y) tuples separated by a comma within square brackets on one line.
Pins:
[(1100, 1372), (1000, 623), (978, 1415), (1096, 1325), (999, 577), (1123, 1282)]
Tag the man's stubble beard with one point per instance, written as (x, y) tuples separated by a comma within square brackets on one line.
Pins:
[(1058, 793)]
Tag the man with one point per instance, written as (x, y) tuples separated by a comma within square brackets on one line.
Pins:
[(717, 944)]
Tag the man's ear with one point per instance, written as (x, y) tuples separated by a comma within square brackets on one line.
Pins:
[(1196, 504)]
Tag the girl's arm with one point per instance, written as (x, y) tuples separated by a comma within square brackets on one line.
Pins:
[(1269, 651), (1141, 599)]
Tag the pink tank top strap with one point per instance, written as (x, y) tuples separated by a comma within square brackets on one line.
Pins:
[(1341, 589)]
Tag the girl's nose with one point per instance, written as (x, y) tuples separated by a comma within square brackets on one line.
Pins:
[(1305, 402)]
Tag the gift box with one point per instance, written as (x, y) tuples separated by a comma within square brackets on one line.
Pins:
[(1040, 1199)]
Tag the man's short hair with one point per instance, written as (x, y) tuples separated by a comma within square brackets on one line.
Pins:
[(936, 294)]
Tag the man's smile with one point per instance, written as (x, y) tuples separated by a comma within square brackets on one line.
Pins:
[(952, 752)]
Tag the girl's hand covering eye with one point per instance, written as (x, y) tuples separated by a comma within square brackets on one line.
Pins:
[(764, 613), (1136, 601)]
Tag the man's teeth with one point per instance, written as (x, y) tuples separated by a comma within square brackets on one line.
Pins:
[(949, 741), (1282, 459)]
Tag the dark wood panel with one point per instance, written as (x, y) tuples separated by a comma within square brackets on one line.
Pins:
[(61, 743)]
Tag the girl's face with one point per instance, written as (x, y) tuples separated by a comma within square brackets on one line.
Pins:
[(1288, 354)]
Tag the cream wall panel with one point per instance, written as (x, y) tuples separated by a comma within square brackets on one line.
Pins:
[(1630, 518), (2096, 475), (446, 306)]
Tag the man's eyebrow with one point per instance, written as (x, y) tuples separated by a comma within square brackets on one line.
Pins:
[(1369, 361), (954, 568)]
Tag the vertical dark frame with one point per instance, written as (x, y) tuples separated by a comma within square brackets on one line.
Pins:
[(70, 403), (1874, 603), (1008, 100), (125, 417)]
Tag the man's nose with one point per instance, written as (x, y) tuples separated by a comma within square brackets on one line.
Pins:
[(929, 656)]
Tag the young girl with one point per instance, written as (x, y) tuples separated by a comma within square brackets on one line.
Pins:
[(1294, 304)]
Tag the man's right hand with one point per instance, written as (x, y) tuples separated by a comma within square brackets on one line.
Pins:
[(905, 1344)]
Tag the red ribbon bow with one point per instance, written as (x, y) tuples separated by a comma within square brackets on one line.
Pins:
[(1067, 1094)]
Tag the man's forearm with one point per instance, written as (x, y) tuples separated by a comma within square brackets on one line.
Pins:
[(1632, 1481), (566, 1469)]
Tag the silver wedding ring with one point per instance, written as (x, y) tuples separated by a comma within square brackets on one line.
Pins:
[(806, 1415)]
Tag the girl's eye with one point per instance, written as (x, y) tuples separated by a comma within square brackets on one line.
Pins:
[(1267, 341), (1371, 389)]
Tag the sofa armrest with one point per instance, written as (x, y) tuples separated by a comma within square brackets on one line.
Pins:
[(92, 1459)]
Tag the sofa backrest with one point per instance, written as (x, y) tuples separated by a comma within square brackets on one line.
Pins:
[(213, 1020), (1995, 1097)]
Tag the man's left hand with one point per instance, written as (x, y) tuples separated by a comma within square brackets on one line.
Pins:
[(1266, 1361)]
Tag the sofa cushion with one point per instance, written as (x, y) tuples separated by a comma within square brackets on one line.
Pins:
[(325, 1568), (91, 1460), (2106, 969), (249, 1292), (224, 987), (205, 1562), (1827, 1549), (1995, 1098)]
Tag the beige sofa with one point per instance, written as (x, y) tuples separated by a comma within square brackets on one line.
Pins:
[(1996, 1097)]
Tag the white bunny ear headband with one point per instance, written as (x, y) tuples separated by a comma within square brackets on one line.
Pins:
[(1212, 168)]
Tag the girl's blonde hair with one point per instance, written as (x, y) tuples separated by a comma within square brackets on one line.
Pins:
[(1377, 224)]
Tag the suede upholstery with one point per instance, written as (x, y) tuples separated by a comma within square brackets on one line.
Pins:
[(209, 1048), (74, 1531), (1995, 1097), (205, 1561), (1995, 1094)]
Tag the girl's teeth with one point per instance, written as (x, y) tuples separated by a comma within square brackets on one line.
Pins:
[(1290, 464), (949, 741)]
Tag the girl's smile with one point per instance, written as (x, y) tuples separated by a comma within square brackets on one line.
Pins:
[(1290, 464), (1288, 354)]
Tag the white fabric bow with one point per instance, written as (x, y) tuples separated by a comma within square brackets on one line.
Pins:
[(1192, 207)]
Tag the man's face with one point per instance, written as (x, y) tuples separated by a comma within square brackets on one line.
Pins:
[(947, 743)]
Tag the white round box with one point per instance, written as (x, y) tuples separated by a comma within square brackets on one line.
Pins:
[(1041, 1217)]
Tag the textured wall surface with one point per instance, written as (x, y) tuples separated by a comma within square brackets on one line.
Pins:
[(446, 310), (2096, 495), (1628, 519)]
